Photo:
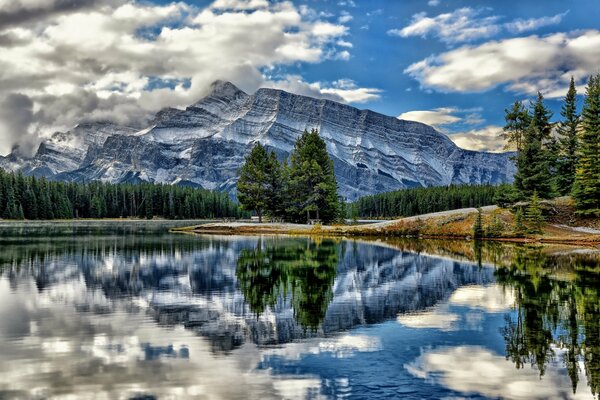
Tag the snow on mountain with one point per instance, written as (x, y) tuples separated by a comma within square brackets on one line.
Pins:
[(206, 143)]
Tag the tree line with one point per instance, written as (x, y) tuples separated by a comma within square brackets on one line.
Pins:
[(416, 201), (26, 197), (300, 189), (560, 158)]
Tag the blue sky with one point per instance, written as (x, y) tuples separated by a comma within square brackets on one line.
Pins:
[(454, 64)]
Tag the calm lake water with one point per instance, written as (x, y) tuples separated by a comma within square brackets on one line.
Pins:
[(131, 311)]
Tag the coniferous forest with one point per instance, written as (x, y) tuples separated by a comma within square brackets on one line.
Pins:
[(33, 198), (416, 201)]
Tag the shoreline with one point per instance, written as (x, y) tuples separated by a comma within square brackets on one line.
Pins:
[(590, 241), (448, 225)]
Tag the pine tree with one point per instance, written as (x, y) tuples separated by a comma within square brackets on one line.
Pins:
[(533, 215), (275, 187), (587, 177), (495, 228), (567, 130), (478, 226), (519, 226), (312, 185), (537, 160), (540, 119), (253, 182), (533, 174), (517, 121)]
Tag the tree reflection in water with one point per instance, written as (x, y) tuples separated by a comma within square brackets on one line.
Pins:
[(558, 311), (303, 270)]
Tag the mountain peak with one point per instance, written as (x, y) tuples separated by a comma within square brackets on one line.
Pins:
[(224, 89)]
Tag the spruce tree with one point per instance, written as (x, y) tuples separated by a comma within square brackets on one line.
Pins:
[(478, 226), (312, 185), (275, 187), (533, 174), (533, 215), (517, 121), (567, 130), (253, 183), (519, 226), (587, 177)]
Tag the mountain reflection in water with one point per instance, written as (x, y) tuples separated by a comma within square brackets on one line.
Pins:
[(99, 313)]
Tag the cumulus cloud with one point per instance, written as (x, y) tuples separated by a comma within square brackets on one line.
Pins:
[(468, 24), (525, 64), (14, 12), (458, 124), (342, 90), (436, 118), (111, 60), (484, 139)]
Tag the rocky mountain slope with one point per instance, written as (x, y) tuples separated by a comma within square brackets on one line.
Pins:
[(205, 144)]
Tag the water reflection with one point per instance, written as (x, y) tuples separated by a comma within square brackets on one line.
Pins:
[(558, 312), (303, 270), (119, 314)]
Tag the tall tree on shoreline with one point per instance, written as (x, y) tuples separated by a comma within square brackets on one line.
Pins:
[(252, 185), (567, 130), (517, 121), (312, 184), (587, 177), (537, 156)]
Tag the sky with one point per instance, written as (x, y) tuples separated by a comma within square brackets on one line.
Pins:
[(454, 64)]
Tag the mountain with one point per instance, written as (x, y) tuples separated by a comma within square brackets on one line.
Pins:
[(205, 145)]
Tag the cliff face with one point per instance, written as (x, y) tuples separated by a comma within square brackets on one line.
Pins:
[(206, 143)]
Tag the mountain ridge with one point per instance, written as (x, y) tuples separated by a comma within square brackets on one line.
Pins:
[(205, 144)]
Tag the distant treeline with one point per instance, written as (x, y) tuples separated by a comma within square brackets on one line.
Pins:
[(416, 201), (23, 197)]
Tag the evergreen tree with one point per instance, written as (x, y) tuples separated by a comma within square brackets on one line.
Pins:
[(533, 174), (537, 159), (517, 121), (519, 226), (495, 228), (252, 187), (540, 119), (275, 187), (567, 130), (587, 178), (533, 215), (478, 226), (312, 185)]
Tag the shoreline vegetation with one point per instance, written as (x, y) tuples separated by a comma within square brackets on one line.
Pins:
[(453, 224)]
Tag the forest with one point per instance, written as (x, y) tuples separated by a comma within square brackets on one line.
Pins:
[(26, 197), (416, 201)]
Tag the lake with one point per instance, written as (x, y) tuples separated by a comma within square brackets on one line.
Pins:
[(128, 310)]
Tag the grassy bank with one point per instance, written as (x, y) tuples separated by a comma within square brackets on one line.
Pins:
[(562, 226)]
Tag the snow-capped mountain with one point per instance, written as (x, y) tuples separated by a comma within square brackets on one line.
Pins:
[(205, 145)]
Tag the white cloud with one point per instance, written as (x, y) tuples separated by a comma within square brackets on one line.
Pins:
[(436, 118), (433, 3), (343, 90), (526, 64), (127, 61), (461, 25), (468, 24), (484, 139), (452, 121), (345, 17), (530, 24)]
